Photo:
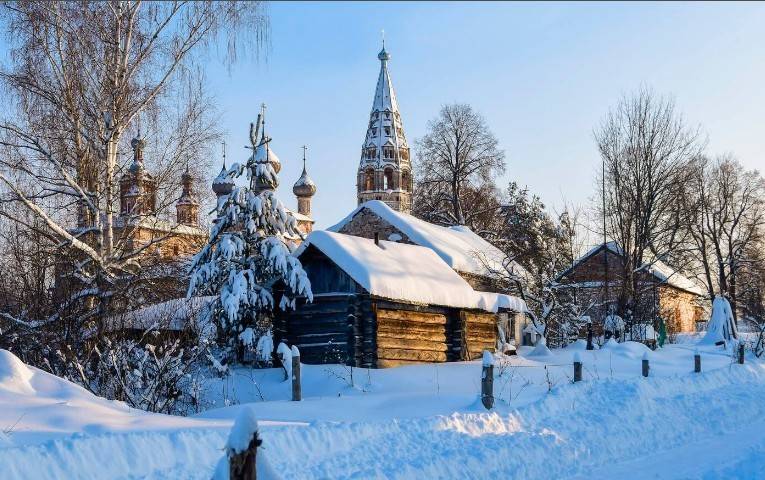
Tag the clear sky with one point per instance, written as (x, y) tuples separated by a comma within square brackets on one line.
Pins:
[(543, 75)]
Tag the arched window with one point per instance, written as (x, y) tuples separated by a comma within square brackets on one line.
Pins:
[(369, 179), (406, 181), (388, 179)]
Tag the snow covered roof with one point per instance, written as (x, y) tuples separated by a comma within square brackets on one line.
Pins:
[(299, 216), (151, 222), (458, 246), (176, 314), (396, 271), (493, 302), (660, 270)]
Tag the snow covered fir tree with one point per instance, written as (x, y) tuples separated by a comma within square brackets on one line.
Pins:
[(248, 253)]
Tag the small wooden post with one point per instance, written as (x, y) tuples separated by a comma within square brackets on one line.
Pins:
[(577, 368), (646, 367), (487, 380), (297, 394), (242, 464), (590, 346), (241, 457), (697, 361), (741, 353)]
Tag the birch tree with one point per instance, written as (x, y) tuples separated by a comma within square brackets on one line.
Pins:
[(82, 74)]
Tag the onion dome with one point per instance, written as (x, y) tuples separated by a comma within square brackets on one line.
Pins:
[(138, 144), (304, 187), (223, 184), (187, 194), (263, 154)]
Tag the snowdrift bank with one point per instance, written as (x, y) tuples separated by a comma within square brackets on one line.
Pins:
[(583, 427), (421, 421)]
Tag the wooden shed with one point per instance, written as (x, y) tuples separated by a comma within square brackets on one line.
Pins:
[(382, 304)]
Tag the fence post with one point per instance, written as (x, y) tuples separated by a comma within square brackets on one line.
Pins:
[(297, 393), (697, 361), (590, 346), (242, 447), (646, 367), (741, 353), (487, 380), (577, 367)]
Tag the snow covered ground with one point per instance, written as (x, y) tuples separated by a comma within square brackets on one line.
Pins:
[(423, 421)]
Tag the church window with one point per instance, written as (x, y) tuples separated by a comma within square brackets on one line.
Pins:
[(388, 179), (374, 132), (387, 152), (369, 179), (405, 181), (387, 131), (387, 115)]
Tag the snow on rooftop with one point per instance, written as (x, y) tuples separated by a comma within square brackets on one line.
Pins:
[(396, 271), (657, 268), (458, 246), (151, 222), (493, 302), (177, 314)]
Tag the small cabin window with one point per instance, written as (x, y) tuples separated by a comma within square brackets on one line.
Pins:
[(176, 250)]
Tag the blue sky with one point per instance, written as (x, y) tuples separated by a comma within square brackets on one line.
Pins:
[(543, 75)]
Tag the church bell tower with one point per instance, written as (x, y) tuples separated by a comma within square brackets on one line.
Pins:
[(385, 169)]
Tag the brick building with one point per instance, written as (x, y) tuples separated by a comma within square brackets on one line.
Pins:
[(596, 278)]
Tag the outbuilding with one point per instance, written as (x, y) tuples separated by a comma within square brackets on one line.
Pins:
[(380, 303)]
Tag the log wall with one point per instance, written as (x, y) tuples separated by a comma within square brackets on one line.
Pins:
[(367, 332), (480, 333), (410, 337), (326, 330)]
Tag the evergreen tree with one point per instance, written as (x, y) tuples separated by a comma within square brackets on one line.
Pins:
[(248, 253)]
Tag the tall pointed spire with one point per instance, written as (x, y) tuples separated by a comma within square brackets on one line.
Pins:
[(385, 168)]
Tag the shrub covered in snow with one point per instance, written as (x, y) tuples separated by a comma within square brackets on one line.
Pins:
[(721, 325)]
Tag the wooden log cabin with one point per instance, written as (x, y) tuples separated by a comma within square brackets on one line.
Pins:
[(382, 304)]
